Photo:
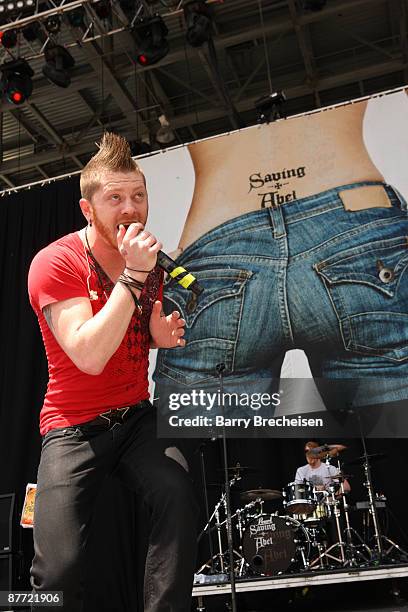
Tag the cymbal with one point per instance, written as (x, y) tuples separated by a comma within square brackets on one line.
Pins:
[(362, 459), (327, 449), (264, 494), (340, 476), (240, 468)]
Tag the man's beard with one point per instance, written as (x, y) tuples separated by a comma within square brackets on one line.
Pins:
[(103, 231)]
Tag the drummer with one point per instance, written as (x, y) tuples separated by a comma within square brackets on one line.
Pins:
[(321, 475)]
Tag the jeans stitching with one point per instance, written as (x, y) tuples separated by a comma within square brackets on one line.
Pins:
[(222, 231), (317, 213), (234, 352), (343, 235), (374, 245)]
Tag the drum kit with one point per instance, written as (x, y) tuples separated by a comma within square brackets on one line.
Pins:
[(309, 531)]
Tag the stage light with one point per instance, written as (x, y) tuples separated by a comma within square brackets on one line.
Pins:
[(16, 83), (13, 7), (58, 64), (8, 39), (53, 24), (31, 31), (102, 9), (150, 35), (269, 108), (314, 5), (198, 22), (165, 134), (76, 17)]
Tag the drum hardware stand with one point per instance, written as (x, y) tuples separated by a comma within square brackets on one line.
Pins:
[(220, 368), (354, 551), (207, 511), (354, 554), (339, 544), (241, 561), (217, 526), (382, 554), (379, 538)]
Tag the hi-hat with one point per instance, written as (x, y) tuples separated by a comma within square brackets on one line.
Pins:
[(264, 494)]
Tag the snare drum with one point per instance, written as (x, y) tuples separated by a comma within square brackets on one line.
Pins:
[(299, 498), (320, 512)]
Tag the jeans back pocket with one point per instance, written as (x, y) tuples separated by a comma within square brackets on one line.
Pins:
[(212, 324), (368, 288)]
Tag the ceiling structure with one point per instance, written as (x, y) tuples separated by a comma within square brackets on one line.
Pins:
[(349, 49)]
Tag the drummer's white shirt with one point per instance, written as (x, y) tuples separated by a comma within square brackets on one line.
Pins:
[(317, 476)]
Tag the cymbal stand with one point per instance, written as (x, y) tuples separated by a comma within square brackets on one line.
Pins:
[(378, 536), (354, 553), (240, 561), (382, 554), (218, 527)]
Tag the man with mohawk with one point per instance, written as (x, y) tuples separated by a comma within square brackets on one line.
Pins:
[(97, 295)]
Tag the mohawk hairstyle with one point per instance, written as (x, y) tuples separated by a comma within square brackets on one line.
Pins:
[(114, 155)]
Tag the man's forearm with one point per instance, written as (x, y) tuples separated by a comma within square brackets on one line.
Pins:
[(92, 343)]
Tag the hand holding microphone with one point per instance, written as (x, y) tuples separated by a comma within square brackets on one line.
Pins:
[(148, 251)]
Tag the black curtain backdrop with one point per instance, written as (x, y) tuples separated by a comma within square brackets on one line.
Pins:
[(29, 220)]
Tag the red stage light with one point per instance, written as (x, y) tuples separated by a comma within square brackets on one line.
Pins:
[(8, 38), (151, 42), (17, 97)]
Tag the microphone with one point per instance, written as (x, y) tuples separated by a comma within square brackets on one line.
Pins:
[(179, 273)]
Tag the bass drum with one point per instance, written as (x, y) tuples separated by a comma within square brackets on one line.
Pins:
[(272, 543)]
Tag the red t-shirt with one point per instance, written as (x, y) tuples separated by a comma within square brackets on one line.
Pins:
[(63, 270)]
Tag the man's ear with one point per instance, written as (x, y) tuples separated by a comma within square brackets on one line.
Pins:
[(86, 209)]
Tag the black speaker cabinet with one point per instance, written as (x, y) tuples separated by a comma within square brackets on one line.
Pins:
[(7, 528), (6, 572)]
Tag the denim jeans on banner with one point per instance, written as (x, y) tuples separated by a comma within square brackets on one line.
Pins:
[(308, 274), (74, 463)]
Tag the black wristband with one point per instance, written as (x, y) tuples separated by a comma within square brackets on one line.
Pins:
[(136, 301), (129, 280)]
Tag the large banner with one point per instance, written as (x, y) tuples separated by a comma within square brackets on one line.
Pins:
[(297, 230)]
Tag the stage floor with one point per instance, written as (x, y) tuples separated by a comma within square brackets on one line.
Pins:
[(306, 591)]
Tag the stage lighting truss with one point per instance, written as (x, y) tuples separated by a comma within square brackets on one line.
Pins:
[(13, 8), (44, 23), (102, 8), (16, 84)]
